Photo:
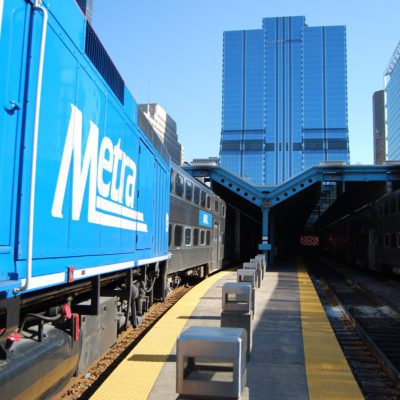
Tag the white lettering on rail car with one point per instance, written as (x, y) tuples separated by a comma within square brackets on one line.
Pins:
[(111, 201)]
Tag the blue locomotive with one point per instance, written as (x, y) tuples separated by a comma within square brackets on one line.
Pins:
[(85, 201)]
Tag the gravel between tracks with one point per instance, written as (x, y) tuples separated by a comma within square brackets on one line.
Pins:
[(85, 385)]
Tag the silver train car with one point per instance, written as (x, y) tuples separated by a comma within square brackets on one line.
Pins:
[(196, 227)]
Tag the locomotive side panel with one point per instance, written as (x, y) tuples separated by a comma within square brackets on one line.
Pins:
[(92, 161)]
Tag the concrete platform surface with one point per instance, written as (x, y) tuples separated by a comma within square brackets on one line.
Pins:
[(295, 354)]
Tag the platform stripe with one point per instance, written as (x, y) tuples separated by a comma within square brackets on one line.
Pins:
[(135, 376), (329, 376)]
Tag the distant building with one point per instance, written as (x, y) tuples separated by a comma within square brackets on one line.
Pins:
[(284, 99), (165, 127), (392, 89), (379, 126), (205, 161)]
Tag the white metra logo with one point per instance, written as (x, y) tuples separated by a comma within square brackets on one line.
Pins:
[(115, 198)]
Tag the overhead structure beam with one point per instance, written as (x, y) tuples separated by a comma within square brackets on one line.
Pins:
[(267, 197)]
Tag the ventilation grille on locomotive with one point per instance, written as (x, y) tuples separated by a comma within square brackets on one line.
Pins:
[(102, 61)]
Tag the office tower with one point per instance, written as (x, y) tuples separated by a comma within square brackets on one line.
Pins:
[(165, 127), (284, 101), (392, 89), (379, 126)]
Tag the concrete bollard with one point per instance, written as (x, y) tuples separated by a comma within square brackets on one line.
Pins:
[(236, 297), (211, 363), (237, 308), (257, 267), (249, 276), (263, 262)]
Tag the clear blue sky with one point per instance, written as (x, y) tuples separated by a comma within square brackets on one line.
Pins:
[(170, 52)]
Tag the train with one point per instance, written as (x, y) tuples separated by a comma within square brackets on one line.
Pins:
[(96, 223), (367, 238)]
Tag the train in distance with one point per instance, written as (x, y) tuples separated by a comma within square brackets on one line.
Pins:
[(95, 222)]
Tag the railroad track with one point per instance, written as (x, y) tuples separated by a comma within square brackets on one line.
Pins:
[(367, 328)]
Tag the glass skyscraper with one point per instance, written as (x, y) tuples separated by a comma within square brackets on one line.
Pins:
[(392, 89), (284, 105)]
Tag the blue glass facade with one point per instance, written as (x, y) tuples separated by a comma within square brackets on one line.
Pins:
[(284, 99), (243, 110), (393, 106)]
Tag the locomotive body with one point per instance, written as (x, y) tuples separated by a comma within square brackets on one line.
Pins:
[(84, 194)]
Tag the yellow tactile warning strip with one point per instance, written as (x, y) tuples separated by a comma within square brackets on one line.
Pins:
[(328, 374), (135, 376)]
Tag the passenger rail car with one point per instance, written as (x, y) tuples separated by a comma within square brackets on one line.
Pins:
[(369, 237), (196, 226)]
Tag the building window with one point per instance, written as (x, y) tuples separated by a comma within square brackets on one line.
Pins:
[(195, 237), (203, 199), (216, 205), (189, 191), (188, 236), (223, 210), (178, 236), (202, 238), (387, 240), (171, 184), (179, 185), (196, 197), (208, 202), (208, 240)]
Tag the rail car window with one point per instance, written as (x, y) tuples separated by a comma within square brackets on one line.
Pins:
[(188, 236), (171, 183), (195, 237), (393, 205), (179, 185), (386, 207), (386, 240), (380, 210), (202, 238), (178, 236), (216, 205), (208, 202), (393, 240), (203, 199), (196, 197), (208, 240), (189, 190), (169, 235), (380, 241)]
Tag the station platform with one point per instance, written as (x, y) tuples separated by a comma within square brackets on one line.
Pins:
[(295, 353)]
